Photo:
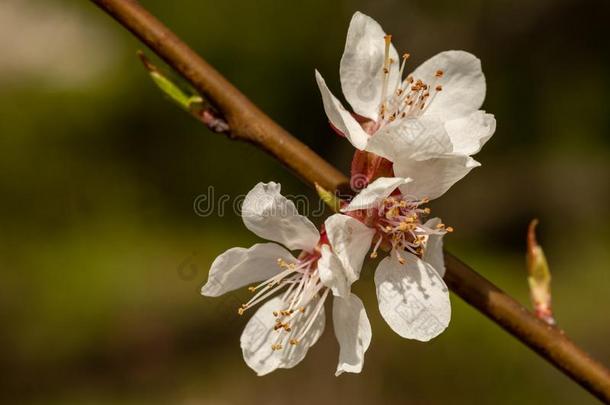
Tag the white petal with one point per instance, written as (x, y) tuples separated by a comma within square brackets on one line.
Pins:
[(332, 273), (340, 118), (259, 335), (414, 137), (353, 331), (413, 299), (463, 84), (362, 63), (375, 192), (350, 240), (433, 253), (469, 133), (272, 216), (238, 267), (433, 177)]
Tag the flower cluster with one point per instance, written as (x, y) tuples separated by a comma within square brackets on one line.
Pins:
[(414, 138)]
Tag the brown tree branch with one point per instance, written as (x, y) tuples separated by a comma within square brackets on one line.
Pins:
[(248, 123)]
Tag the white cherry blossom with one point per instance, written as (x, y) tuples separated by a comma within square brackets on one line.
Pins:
[(292, 289), (428, 124), (413, 299)]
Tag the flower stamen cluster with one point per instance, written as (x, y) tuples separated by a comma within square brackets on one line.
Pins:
[(299, 284), (410, 98), (399, 225)]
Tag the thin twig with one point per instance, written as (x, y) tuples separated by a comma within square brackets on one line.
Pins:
[(248, 123)]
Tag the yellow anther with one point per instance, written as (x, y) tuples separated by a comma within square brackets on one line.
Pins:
[(251, 289), (373, 255), (294, 342), (427, 210), (449, 229), (240, 311), (406, 56)]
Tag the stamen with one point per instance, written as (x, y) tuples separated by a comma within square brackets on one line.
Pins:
[(374, 253), (386, 73)]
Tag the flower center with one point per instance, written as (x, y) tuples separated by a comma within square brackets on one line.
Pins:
[(300, 285), (398, 222), (410, 98)]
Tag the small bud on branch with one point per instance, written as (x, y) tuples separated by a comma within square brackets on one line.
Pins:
[(539, 277), (329, 198), (192, 103)]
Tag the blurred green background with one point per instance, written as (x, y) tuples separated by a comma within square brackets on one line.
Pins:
[(102, 255)]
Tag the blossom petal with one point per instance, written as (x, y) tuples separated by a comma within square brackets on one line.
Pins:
[(259, 335), (469, 133), (362, 63), (433, 253), (413, 299), (340, 118), (375, 192), (463, 84), (413, 137), (432, 177), (239, 267), (353, 331), (350, 240), (272, 216), (332, 273)]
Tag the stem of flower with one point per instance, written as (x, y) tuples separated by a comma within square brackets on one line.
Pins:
[(248, 123)]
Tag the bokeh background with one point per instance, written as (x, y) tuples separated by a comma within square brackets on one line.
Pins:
[(102, 255)]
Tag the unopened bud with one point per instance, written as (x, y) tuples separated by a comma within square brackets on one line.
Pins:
[(539, 277), (329, 198)]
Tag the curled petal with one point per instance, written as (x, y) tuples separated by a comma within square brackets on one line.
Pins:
[(239, 267), (272, 216), (350, 240), (332, 273), (413, 299), (340, 118), (353, 332)]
